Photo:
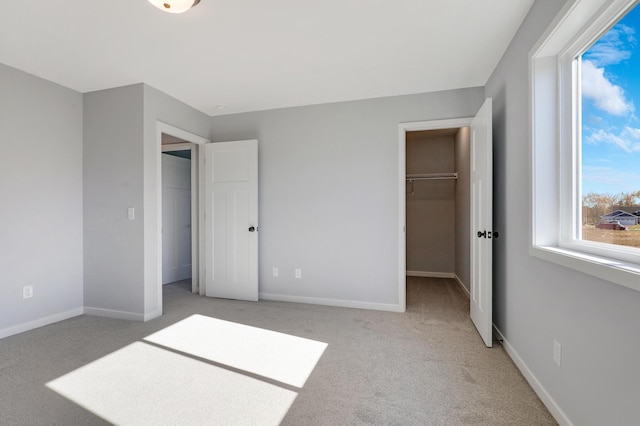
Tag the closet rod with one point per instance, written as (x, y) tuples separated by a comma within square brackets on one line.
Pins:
[(432, 176)]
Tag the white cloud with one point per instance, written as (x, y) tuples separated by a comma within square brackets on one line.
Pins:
[(632, 132), (605, 137), (606, 95), (613, 47), (628, 140)]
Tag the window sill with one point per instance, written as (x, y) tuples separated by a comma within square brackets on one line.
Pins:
[(615, 271)]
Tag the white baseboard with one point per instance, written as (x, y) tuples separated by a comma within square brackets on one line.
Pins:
[(430, 274), (152, 315), (459, 281), (40, 322), (332, 302), (109, 313), (547, 400)]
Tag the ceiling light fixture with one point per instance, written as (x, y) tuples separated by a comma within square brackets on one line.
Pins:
[(174, 6)]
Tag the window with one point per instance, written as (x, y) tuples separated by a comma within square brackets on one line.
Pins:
[(608, 89), (586, 140)]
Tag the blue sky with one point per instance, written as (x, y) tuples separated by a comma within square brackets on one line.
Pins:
[(610, 110)]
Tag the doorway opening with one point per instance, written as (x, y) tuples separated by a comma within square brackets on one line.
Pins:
[(176, 215), (479, 196), (172, 139), (437, 194), (434, 202), (179, 195)]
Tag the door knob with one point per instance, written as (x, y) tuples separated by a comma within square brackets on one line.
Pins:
[(487, 234), (252, 228)]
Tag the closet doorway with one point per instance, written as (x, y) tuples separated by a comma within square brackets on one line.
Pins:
[(470, 205), (437, 194), (179, 212), (176, 216)]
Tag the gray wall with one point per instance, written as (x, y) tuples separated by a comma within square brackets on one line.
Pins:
[(329, 191), (113, 181), (41, 193), (431, 219), (535, 301), (463, 207)]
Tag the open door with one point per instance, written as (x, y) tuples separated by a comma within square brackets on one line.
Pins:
[(231, 220), (482, 222)]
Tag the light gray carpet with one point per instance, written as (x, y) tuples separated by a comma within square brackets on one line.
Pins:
[(427, 366)]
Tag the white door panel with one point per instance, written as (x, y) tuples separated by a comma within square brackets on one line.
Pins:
[(231, 220), (482, 222)]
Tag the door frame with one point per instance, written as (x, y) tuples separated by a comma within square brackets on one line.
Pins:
[(197, 249), (403, 128)]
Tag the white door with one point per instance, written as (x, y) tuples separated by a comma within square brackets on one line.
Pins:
[(231, 220), (482, 222), (176, 218)]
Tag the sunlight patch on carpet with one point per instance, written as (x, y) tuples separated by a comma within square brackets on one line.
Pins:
[(281, 357), (141, 384)]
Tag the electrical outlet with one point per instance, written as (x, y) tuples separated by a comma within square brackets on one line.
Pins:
[(557, 353), (298, 273), (27, 291), (275, 272)]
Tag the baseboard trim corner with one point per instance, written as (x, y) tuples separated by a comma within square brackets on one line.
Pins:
[(461, 284), (110, 313), (40, 322), (332, 302), (547, 400), (152, 315)]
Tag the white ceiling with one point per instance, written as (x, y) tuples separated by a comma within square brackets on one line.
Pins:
[(256, 54)]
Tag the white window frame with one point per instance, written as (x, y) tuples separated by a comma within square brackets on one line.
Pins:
[(555, 153)]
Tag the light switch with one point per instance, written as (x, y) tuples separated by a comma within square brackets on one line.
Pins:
[(131, 213)]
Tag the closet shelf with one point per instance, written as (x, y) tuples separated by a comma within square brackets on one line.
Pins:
[(431, 176)]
